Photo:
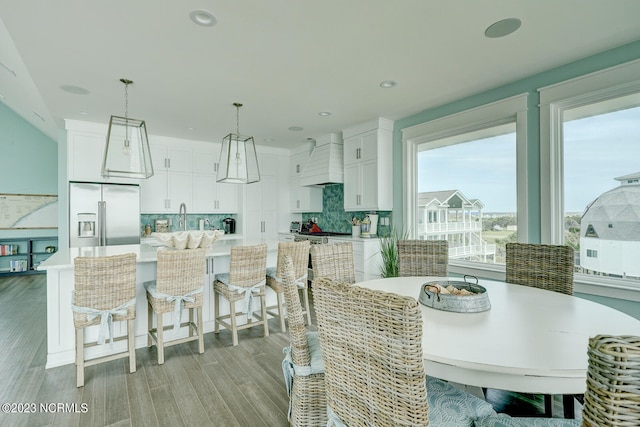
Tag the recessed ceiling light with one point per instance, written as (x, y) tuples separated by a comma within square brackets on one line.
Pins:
[(268, 140), (203, 18), (83, 113), (190, 128), (502, 28), (295, 128), (76, 90), (387, 84), (324, 113)]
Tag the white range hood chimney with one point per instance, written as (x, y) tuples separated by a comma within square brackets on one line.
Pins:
[(325, 165)]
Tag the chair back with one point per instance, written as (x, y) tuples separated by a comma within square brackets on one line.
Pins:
[(180, 271), (540, 266), (104, 283), (423, 258), (248, 265), (299, 253), (371, 345), (334, 261), (613, 382), (297, 331)]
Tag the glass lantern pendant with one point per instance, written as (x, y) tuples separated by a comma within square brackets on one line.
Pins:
[(127, 151), (238, 158)]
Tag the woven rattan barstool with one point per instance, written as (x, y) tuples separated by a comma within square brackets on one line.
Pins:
[(302, 365), (178, 285), (245, 281), (299, 252), (423, 258), (105, 292), (547, 267), (613, 382), (334, 260)]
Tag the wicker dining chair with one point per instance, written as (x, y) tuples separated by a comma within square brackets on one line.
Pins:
[(245, 281), (178, 286), (613, 382), (105, 289), (423, 258), (547, 267), (371, 344), (334, 260), (302, 366), (299, 252)]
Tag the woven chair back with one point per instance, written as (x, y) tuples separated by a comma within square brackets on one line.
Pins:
[(180, 271), (334, 261), (613, 382), (248, 265), (299, 253), (423, 258), (104, 283), (540, 266), (371, 345), (297, 331)]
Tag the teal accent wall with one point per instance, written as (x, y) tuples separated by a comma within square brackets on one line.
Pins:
[(529, 85), (333, 216), (28, 163)]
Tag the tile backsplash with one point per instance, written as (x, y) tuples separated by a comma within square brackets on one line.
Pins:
[(334, 218), (193, 220)]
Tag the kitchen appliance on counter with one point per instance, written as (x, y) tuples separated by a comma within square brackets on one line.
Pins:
[(295, 227), (229, 225), (162, 225), (369, 226), (103, 214)]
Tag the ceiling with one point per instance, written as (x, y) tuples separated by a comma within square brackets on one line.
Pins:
[(285, 60)]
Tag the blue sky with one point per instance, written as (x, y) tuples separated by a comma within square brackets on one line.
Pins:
[(597, 149)]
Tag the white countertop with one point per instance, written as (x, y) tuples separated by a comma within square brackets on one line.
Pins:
[(145, 253)]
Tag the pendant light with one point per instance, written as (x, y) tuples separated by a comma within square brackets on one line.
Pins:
[(127, 152), (238, 158)]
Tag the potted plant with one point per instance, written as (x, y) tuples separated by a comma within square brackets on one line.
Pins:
[(389, 252)]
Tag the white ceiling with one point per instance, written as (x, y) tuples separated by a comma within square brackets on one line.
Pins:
[(285, 60)]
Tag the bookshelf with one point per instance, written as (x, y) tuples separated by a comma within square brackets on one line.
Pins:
[(21, 255)]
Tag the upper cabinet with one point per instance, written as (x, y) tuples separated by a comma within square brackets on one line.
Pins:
[(368, 166), (302, 199)]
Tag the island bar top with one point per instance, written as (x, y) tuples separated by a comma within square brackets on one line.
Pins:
[(63, 259), (60, 285)]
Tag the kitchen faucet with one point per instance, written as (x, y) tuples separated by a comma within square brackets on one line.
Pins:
[(183, 214)]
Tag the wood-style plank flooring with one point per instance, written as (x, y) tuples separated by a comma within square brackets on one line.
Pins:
[(225, 386)]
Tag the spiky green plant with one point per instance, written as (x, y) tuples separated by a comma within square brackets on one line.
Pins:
[(389, 252)]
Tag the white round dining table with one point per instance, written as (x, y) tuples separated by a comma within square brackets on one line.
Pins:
[(530, 340)]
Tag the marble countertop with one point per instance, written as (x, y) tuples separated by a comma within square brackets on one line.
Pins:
[(63, 259)]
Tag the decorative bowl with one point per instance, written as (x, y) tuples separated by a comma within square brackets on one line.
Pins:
[(462, 296), (188, 239)]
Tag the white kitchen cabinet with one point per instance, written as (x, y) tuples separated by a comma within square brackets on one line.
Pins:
[(366, 257), (368, 166), (302, 199), (171, 183), (262, 201)]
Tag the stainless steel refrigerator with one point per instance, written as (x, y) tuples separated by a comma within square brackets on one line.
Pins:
[(103, 214)]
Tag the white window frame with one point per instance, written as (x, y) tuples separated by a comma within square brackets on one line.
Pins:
[(555, 99), (498, 112)]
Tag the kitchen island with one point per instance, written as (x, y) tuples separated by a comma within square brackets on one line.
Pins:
[(60, 284)]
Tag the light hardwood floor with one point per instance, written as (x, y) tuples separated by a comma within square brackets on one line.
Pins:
[(225, 386)]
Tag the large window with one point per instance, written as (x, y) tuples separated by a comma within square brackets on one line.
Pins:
[(465, 177), (591, 195), (467, 193)]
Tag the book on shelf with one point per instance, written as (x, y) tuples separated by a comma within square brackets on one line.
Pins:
[(8, 250), (18, 265)]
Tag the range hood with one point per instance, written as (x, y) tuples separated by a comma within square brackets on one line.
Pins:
[(325, 165)]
